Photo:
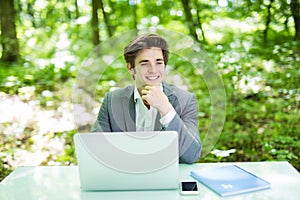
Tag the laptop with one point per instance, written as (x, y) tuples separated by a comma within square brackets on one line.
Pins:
[(127, 160)]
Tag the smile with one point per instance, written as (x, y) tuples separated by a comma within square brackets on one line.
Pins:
[(152, 78)]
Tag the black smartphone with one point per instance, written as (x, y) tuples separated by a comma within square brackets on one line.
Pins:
[(189, 187)]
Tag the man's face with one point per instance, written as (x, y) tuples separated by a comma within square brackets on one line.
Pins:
[(149, 67)]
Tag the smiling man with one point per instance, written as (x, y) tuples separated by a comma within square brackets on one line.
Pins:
[(151, 104)]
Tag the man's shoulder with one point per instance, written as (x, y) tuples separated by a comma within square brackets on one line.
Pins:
[(170, 88), (125, 91)]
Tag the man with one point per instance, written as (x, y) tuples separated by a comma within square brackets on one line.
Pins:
[(151, 104)]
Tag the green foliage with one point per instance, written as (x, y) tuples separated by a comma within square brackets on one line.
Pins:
[(263, 125), (43, 79), (4, 170)]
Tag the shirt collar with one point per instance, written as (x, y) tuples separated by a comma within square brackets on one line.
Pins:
[(136, 94)]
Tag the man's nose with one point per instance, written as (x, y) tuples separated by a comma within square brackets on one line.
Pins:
[(152, 67)]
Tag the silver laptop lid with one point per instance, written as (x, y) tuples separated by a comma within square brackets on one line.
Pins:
[(127, 160)]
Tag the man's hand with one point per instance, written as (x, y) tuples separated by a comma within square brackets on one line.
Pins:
[(155, 97)]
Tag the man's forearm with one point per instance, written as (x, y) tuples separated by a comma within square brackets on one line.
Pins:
[(189, 140)]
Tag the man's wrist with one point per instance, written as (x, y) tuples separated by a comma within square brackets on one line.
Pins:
[(167, 118), (165, 109)]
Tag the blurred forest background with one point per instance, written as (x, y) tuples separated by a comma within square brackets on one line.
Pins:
[(253, 43)]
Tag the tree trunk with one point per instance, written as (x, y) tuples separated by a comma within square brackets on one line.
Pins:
[(189, 18), (76, 10), (268, 21), (106, 19), (30, 12), (295, 8), (135, 19), (10, 44), (95, 22), (199, 20)]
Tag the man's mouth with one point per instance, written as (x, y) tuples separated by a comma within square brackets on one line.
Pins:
[(152, 78)]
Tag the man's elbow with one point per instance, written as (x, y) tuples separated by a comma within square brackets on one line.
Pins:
[(191, 155)]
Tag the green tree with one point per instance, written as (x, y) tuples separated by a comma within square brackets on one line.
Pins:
[(189, 18), (109, 27), (268, 21), (10, 44), (95, 22), (295, 8)]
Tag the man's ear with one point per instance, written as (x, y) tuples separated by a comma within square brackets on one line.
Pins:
[(130, 69)]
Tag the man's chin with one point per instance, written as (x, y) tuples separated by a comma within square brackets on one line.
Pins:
[(154, 82), (148, 82)]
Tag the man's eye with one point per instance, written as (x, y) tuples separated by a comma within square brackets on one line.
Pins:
[(144, 64)]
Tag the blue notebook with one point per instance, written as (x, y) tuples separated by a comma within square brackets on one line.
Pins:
[(229, 180)]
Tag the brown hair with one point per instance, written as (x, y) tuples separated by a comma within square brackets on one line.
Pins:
[(145, 41)]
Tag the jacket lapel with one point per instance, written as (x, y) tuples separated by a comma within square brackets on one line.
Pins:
[(128, 108)]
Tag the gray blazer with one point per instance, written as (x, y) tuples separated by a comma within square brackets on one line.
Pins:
[(117, 114)]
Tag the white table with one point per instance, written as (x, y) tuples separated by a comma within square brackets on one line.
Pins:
[(45, 182)]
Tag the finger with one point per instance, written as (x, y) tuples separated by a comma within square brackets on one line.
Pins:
[(145, 92), (149, 87), (144, 97), (142, 87)]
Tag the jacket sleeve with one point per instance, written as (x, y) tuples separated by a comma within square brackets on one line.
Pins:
[(185, 123), (102, 123)]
